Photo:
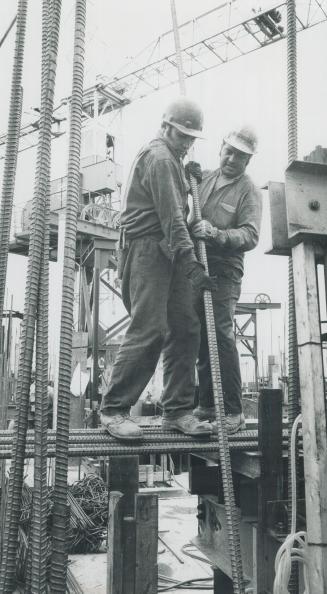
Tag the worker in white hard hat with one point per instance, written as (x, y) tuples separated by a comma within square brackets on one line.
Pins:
[(158, 268), (231, 208)]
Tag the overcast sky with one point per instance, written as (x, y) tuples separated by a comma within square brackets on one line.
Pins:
[(251, 90)]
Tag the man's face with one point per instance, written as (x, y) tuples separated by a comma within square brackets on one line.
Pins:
[(232, 161), (180, 142)]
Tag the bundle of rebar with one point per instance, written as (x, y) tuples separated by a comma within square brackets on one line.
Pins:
[(88, 501)]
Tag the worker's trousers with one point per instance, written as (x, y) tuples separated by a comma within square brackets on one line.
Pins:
[(158, 297), (224, 304)]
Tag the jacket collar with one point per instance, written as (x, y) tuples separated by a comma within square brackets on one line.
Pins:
[(160, 136)]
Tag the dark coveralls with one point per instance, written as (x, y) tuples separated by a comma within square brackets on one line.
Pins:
[(234, 206), (155, 290)]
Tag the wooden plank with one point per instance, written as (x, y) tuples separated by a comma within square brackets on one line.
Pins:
[(313, 412), (115, 552), (203, 479), (270, 440), (221, 582), (306, 297), (269, 486), (146, 568), (246, 463), (123, 476), (129, 547)]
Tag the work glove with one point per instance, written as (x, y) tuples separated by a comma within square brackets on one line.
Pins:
[(193, 168), (204, 230), (200, 280)]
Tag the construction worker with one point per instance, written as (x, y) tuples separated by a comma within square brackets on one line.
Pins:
[(159, 267), (231, 208)]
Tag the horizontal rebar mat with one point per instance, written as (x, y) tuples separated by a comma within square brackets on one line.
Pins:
[(87, 442)]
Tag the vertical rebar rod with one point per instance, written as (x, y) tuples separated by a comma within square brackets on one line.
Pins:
[(39, 533), (293, 364), (12, 142), (59, 543), (225, 462), (32, 298)]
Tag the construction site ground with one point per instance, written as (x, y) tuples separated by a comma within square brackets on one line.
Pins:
[(177, 527)]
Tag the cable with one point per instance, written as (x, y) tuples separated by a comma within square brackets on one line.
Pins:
[(295, 546), (185, 551), (192, 584)]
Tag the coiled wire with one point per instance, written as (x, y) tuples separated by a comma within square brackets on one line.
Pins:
[(59, 555), (295, 546)]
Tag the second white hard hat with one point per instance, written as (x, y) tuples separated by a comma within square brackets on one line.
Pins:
[(244, 139)]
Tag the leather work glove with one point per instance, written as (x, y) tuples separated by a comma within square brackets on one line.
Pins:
[(193, 168), (200, 280), (204, 230)]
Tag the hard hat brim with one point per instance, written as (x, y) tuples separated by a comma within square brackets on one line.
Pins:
[(239, 145), (187, 131)]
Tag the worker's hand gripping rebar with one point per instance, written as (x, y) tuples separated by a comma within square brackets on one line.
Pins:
[(231, 511)]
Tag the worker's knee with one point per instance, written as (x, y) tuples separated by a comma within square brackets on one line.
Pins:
[(225, 334)]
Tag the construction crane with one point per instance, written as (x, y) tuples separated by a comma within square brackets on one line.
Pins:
[(270, 24), (228, 32)]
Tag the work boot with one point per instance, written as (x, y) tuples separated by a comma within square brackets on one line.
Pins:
[(187, 424), (234, 423), (205, 413), (121, 426)]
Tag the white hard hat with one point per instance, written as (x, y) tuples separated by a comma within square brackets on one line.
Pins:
[(244, 139), (186, 116)]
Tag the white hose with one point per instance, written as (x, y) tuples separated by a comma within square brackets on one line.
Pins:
[(295, 546)]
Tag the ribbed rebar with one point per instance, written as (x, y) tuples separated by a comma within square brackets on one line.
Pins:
[(293, 364), (59, 554), (231, 515), (39, 537), (100, 436), (291, 80), (36, 247), (12, 142), (225, 462), (117, 449)]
